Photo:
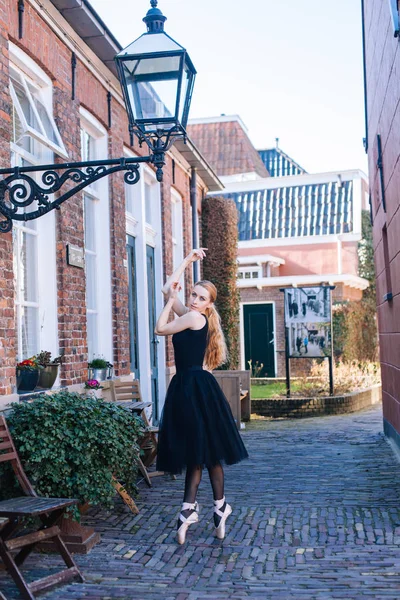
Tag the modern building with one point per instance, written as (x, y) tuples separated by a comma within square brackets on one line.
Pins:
[(295, 230), (61, 100), (381, 31)]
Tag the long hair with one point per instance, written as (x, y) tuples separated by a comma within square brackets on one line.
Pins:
[(216, 351)]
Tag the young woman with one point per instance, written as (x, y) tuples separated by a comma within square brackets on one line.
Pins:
[(197, 428)]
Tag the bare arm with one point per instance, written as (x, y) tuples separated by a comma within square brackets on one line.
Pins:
[(190, 320), (179, 308)]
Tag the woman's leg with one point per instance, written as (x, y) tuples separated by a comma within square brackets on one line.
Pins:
[(192, 482), (217, 480)]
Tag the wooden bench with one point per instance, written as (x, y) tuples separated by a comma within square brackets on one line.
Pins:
[(236, 387), (50, 511)]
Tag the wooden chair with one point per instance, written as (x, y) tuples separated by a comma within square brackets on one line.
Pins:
[(128, 395), (49, 510)]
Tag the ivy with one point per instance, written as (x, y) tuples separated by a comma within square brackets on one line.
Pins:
[(220, 235), (355, 323), (70, 447)]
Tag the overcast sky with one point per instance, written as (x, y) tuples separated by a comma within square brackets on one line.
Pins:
[(289, 69)]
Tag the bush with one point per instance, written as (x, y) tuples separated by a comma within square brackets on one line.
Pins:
[(347, 377), (70, 447), (220, 235)]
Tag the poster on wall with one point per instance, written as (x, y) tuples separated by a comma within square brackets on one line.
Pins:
[(308, 322)]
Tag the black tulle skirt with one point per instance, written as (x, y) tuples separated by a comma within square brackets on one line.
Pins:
[(197, 426)]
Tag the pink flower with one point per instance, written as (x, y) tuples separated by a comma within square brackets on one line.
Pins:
[(92, 384)]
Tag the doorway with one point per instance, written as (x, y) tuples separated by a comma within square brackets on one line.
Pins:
[(151, 290), (259, 342), (132, 306)]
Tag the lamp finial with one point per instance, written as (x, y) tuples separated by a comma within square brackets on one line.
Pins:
[(154, 19)]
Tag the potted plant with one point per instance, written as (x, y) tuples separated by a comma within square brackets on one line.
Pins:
[(93, 388), (27, 374), (100, 369), (49, 371)]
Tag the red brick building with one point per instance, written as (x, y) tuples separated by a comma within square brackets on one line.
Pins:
[(295, 229), (382, 94), (61, 101)]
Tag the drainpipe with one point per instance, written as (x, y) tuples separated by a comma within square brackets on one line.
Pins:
[(195, 221), (365, 78)]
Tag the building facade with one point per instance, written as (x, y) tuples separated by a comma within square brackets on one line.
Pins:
[(382, 94), (295, 230), (61, 101)]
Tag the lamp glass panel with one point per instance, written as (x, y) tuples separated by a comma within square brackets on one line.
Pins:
[(152, 86), (186, 82)]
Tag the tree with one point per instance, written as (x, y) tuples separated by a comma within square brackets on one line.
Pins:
[(220, 235), (361, 336)]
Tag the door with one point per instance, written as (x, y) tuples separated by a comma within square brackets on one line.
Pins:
[(259, 343), (151, 289), (132, 306)]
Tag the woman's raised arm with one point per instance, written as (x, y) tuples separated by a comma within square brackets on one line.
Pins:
[(190, 320), (179, 308)]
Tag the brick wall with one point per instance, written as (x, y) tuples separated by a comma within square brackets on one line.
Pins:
[(383, 91), (299, 408), (7, 328), (54, 57)]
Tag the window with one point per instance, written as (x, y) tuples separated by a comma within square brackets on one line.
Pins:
[(91, 274), (90, 198), (249, 272), (97, 244), (26, 289), (35, 138), (32, 118), (177, 233), (147, 202)]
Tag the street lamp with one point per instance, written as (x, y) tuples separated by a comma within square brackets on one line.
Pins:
[(157, 77)]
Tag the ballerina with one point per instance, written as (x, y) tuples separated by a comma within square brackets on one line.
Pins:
[(197, 428)]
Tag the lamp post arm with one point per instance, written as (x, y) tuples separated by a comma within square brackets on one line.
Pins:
[(19, 190)]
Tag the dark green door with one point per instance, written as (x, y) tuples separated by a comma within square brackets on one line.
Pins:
[(133, 324), (151, 289), (259, 343)]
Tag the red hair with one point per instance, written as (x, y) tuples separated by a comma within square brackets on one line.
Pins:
[(216, 352)]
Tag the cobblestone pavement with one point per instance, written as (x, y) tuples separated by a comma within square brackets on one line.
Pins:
[(316, 516)]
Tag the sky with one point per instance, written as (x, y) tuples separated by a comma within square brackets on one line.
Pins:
[(289, 69)]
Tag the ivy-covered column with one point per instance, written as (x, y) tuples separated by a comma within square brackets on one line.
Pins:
[(220, 236)]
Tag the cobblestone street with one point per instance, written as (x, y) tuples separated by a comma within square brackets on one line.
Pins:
[(316, 516)]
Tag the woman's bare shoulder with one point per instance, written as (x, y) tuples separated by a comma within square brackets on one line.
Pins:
[(197, 318)]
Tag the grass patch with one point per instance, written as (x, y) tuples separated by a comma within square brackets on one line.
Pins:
[(271, 390)]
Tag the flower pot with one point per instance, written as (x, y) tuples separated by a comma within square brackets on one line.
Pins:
[(47, 376), (93, 393), (99, 374), (27, 380)]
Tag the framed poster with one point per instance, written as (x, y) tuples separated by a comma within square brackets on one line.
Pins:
[(308, 322)]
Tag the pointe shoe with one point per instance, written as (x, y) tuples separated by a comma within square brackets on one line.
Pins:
[(218, 504), (192, 518)]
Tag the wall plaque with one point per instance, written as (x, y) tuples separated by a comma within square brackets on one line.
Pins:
[(75, 256)]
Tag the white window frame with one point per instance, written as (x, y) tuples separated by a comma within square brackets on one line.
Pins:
[(98, 193), (31, 73), (20, 303), (177, 239), (43, 230), (252, 272)]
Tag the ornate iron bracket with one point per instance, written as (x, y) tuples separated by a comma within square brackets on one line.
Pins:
[(19, 190)]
